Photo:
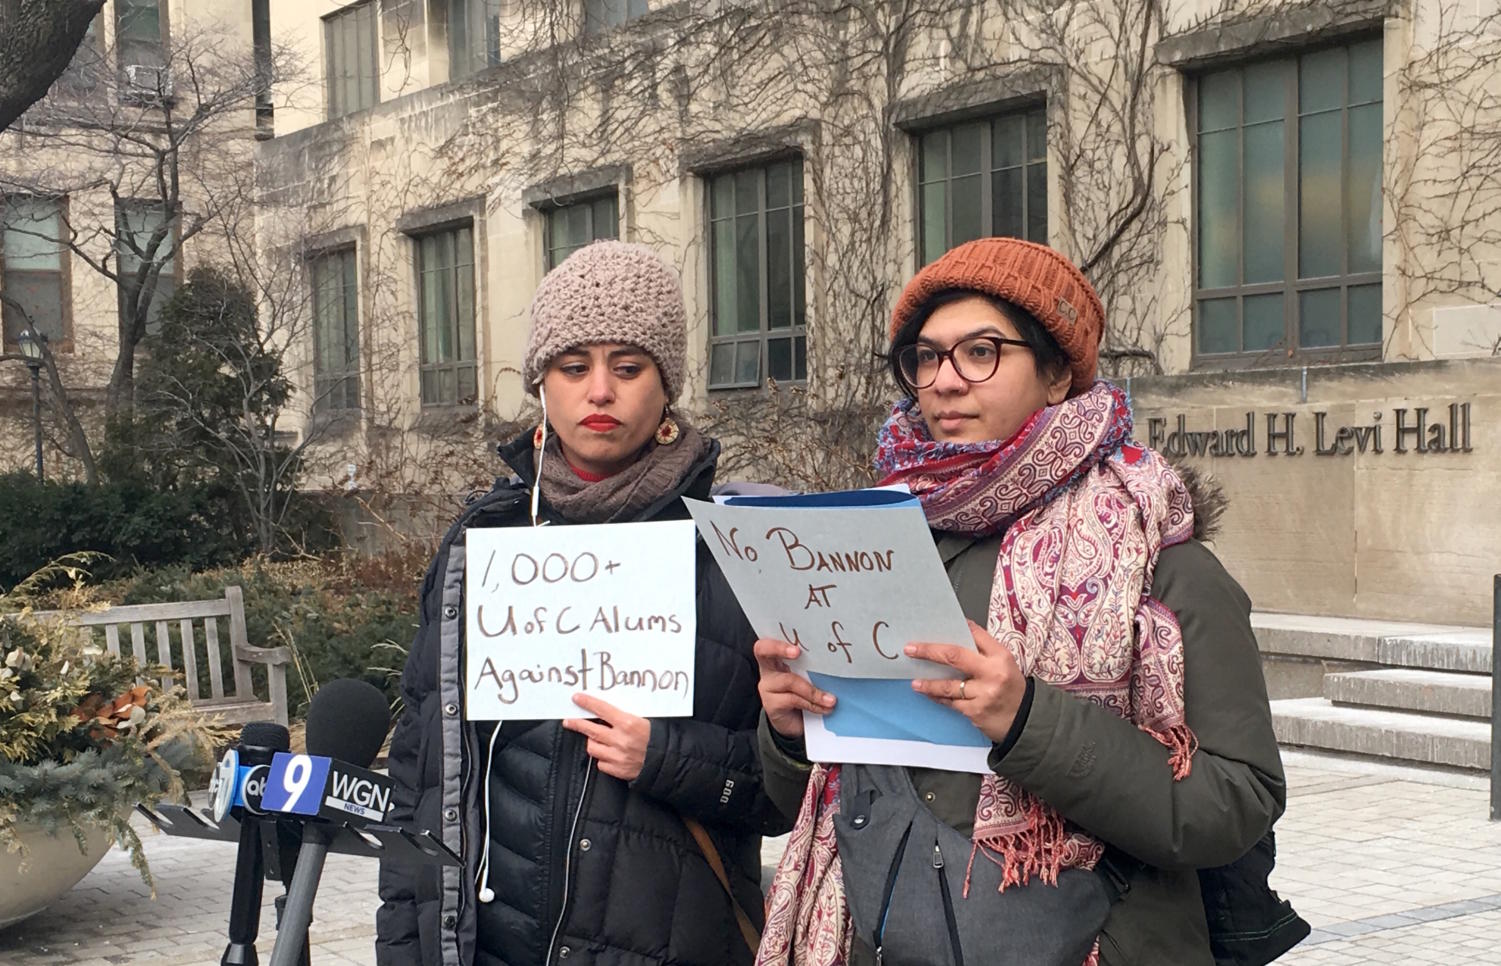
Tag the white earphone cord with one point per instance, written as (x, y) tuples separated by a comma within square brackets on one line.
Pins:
[(541, 455), (482, 876), (482, 873)]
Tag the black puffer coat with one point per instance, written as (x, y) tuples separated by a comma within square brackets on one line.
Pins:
[(586, 869)]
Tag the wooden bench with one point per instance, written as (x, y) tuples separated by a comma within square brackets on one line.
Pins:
[(198, 652)]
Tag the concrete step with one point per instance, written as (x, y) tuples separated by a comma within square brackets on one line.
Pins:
[(1463, 649), (1411, 689), (1437, 647), (1316, 723)]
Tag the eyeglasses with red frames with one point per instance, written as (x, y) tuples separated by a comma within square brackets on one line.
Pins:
[(975, 359)]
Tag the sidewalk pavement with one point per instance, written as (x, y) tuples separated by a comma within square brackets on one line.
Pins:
[(1389, 864)]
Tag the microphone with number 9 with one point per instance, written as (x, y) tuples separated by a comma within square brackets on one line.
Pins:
[(346, 726), (345, 730)]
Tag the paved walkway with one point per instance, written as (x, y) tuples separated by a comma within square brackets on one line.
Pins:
[(1390, 865)]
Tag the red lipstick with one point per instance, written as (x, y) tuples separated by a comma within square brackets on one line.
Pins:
[(599, 422)]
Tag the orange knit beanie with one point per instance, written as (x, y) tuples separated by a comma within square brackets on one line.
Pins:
[(1032, 276)]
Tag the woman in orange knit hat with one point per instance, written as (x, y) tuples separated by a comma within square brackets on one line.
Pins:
[(1114, 671)]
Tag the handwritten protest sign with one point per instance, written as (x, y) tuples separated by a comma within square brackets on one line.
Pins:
[(851, 583), (607, 610), (851, 578)]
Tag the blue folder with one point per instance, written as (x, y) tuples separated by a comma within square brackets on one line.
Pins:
[(889, 708), (844, 499)]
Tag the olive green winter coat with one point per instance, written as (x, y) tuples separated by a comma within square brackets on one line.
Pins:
[(1112, 779)]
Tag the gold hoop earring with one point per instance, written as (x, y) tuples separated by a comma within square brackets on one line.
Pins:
[(667, 431)]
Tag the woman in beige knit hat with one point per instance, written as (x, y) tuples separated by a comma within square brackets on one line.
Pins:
[(611, 838), (1114, 675)]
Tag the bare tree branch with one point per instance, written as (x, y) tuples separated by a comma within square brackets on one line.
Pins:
[(59, 400), (180, 152)]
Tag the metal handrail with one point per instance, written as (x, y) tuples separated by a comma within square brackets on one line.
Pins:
[(1495, 701)]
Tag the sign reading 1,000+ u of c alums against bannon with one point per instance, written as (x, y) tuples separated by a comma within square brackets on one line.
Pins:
[(606, 610)]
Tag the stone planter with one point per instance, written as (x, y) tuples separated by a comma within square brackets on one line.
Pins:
[(53, 865)]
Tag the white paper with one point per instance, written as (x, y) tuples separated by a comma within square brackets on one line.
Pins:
[(851, 585), (822, 745), (852, 578), (607, 610)]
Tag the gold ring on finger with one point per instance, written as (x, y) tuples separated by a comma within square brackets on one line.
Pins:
[(962, 695)]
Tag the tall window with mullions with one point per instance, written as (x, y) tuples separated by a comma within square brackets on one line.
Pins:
[(336, 332), (140, 33), (756, 252), (137, 225), (572, 226), (602, 15), (473, 36), (1287, 162), (445, 316), (34, 269), (983, 178), (351, 59)]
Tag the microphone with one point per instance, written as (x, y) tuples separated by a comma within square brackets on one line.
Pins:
[(348, 719), (326, 789), (238, 782), (346, 725)]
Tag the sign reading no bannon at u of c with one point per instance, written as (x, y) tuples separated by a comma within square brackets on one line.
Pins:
[(606, 610)]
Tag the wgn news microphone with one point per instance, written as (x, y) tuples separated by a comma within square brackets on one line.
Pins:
[(287, 812)]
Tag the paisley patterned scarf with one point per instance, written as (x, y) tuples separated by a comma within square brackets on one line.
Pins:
[(1086, 513)]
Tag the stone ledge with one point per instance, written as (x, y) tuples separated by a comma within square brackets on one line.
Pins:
[(566, 189), (1327, 384), (1438, 647), (1409, 689), (1011, 88), (704, 158), (1464, 650), (1242, 34), (1315, 723)]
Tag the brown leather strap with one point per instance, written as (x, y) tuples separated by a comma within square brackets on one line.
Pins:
[(706, 845)]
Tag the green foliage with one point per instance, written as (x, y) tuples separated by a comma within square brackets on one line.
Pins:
[(208, 364), (210, 389), (88, 792), (133, 522), (81, 742)]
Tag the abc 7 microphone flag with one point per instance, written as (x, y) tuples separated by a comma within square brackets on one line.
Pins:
[(234, 784)]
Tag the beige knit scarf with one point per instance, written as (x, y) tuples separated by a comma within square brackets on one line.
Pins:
[(657, 472)]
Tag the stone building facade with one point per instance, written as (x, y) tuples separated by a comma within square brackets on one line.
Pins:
[(1289, 210), (127, 173)]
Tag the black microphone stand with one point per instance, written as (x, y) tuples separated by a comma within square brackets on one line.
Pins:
[(296, 914), (293, 850), (283, 842), (250, 864), (245, 900), (279, 854)]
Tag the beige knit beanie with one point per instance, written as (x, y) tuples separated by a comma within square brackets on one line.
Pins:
[(609, 291)]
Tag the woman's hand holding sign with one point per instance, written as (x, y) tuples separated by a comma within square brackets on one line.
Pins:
[(989, 694), (617, 740), (785, 695)]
